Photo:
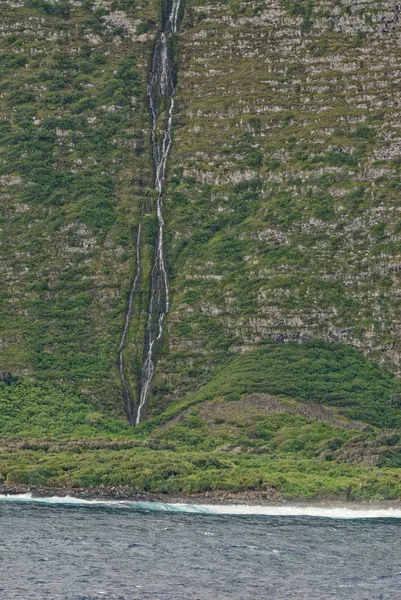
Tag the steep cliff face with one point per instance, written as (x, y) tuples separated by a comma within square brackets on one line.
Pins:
[(281, 201), (260, 271), (75, 171), (283, 204)]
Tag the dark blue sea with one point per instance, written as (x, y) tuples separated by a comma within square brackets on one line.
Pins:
[(130, 551)]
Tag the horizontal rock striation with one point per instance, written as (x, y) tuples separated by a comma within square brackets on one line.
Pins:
[(284, 188)]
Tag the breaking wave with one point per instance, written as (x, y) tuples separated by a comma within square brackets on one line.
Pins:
[(334, 512)]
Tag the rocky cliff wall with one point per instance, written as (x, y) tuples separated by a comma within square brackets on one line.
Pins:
[(74, 171), (284, 195)]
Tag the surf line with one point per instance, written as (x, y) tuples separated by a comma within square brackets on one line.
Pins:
[(334, 512)]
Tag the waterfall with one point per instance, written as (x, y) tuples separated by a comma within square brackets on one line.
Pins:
[(128, 316), (161, 84)]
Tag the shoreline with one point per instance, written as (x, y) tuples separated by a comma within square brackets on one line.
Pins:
[(218, 498)]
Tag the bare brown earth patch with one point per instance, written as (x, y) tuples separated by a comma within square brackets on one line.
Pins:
[(243, 412)]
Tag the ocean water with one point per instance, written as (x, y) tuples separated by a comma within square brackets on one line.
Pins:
[(86, 550)]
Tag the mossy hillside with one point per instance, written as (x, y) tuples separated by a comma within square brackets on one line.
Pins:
[(75, 170), (314, 372), (45, 411), (332, 374), (221, 438), (283, 189), (280, 204)]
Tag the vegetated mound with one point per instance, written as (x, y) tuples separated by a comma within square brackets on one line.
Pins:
[(287, 420), (313, 371)]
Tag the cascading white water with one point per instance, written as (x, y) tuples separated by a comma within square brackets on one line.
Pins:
[(161, 84), (335, 511), (130, 310)]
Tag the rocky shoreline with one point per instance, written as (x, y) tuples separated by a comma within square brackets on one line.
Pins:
[(222, 497), (133, 495)]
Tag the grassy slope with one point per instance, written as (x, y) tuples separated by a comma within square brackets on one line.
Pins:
[(222, 438)]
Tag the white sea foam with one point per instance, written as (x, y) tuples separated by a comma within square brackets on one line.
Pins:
[(334, 512)]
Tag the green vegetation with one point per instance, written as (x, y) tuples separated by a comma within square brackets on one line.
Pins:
[(282, 241), (46, 411), (252, 427), (192, 472), (74, 171), (56, 9), (312, 372), (302, 8), (331, 374)]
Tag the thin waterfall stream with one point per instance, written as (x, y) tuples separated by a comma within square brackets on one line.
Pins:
[(161, 85)]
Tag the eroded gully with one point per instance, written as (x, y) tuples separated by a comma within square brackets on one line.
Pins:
[(161, 85)]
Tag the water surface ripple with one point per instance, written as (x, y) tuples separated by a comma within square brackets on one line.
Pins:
[(78, 552)]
